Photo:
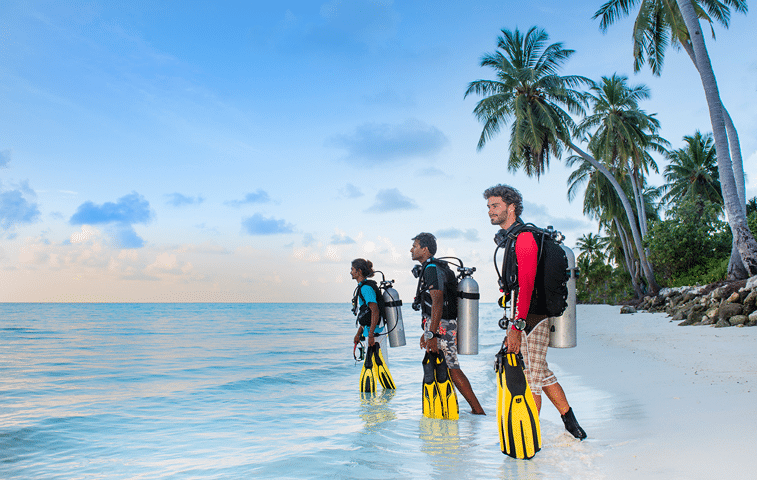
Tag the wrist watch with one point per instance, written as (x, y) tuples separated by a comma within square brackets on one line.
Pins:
[(428, 335), (519, 324)]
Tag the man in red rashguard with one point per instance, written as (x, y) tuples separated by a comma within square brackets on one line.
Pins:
[(529, 332)]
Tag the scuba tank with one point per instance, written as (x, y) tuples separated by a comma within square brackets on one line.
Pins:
[(393, 314), (467, 312), (467, 297), (562, 329)]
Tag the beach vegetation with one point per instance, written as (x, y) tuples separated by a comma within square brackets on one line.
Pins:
[(693, 172), (692, 245), (600, 282), (623, 135), (683, 228), (751, 206), (752, 222), (662, 24), (592, 247), (530, 95)]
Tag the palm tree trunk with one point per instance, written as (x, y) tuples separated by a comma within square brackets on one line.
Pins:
[(745, 242), (733, 140), (639, 194), (632, 270), (738, 164), (736, 268), (654, 287)]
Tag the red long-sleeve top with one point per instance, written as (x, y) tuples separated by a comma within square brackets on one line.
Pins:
[(527, 254)]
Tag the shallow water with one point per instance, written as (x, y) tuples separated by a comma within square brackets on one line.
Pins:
[(244, 391)]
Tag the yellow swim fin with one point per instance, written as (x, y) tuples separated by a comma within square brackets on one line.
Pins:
[(447, 393), (432, 401), (517, 416), (380, 370), (367, 378)]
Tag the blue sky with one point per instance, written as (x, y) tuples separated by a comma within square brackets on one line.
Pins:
[(248, 151)]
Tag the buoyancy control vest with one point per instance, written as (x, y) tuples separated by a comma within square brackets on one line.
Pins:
[(550, 285), (449, 307), (363, 311)]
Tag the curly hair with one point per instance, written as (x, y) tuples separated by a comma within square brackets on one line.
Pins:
[(508, 194)]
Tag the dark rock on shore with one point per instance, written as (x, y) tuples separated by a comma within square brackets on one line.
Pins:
[(722, 304)]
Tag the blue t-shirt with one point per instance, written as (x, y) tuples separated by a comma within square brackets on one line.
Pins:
[(370, 297), (368, 294)]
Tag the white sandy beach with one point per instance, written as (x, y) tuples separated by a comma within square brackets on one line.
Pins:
[(661, 401)]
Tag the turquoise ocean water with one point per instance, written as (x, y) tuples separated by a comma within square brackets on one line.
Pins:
[(227, 391)]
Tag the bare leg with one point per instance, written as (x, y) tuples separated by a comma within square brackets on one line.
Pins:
[(463, 385), (556, 395), (537, 401)]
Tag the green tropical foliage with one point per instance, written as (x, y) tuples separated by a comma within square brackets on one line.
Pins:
[(752, 222), (529, 93), (690, 246), (691, 243), (693, 172), (751, 206), (624, 134), (599, 282), (592, 247), (659, 25)]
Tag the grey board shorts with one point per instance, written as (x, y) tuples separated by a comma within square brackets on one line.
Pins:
[(448, 340)]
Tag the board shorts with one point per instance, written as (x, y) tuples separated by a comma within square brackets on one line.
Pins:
[(534, 349), (380, 339), (376, 331), (447, 340)]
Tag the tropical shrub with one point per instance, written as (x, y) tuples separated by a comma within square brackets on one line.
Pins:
[(751, 220), (690, 246), (599, 282)]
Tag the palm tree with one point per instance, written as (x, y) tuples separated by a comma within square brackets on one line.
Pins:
[(601, 202), (734, 206), (658, 25), (529, 92), (693, 171), (624, 133), (592, 247), (661, 23)]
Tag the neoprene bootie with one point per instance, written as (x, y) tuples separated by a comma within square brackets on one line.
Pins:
[(572, 426)]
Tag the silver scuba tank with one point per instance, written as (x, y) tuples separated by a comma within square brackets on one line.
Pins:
[(393, 314), (467, 313), (562, 329)]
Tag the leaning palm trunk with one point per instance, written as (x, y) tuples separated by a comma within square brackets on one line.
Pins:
[(735, 210), (736, 269), (639, 196), (733, 140), (646, 267), (630, 264)]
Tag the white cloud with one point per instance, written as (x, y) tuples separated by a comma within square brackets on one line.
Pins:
[(87, 232)]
